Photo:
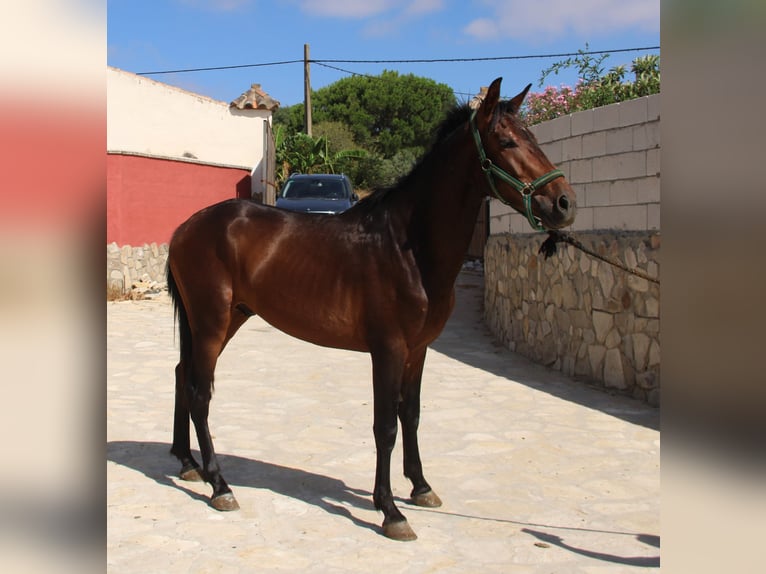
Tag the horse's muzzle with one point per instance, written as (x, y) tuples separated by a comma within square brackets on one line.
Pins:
[(559, 212)]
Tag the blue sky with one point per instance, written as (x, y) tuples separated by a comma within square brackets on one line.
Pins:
[(145, 36)]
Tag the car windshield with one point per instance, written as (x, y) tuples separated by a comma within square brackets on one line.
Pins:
[(314, 189)]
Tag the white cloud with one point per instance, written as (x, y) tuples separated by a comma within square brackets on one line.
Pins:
[(218, 5), (381, 28), (411, 10), (230, 5), (422, 7), (482, 28), (548, 19), (396, 10), (347, 8)]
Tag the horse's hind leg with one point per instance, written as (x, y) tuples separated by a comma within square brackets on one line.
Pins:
[(409, 415), (198, 393), (181, 447), (206, 350)]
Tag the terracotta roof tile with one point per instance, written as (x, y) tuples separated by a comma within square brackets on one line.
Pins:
[(255, 99)]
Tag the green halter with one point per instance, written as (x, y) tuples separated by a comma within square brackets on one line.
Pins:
[(525, 189)]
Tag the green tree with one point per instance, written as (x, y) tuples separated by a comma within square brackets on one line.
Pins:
[(386, 113), (338, 135), (289, 117), (391, 169), (391, 117)]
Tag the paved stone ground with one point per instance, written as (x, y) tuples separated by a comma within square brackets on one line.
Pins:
[(538, 473)]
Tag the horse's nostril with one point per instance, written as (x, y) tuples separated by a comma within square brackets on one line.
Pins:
[(563, 203)]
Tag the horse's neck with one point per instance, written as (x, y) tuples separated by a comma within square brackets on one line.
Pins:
[(444, 214)]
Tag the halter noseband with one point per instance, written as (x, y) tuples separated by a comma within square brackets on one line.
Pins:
[(525, 189)]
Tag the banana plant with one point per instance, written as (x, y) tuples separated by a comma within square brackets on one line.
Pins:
[(301, 153)]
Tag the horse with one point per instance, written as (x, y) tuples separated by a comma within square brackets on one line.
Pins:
[(378, 278)]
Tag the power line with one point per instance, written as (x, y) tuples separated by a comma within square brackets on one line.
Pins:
[(214, 68), (342, 70), (487, 59), (325, 62)]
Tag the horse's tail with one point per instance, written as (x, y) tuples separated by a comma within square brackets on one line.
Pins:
[(180, 316)]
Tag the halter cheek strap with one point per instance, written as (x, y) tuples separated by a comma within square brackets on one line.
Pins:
[(525, 189)]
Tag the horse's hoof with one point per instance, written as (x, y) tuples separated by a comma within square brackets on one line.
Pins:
[(191, 475), (225, 502), (398, 530), (427, 499)]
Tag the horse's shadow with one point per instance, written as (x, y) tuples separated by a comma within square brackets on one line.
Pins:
[(332, 495), (642, 561)]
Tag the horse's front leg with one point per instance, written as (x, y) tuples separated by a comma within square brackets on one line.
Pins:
[(409, 415), (387, 370)]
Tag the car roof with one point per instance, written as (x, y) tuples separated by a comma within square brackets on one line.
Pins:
[(317, 176)]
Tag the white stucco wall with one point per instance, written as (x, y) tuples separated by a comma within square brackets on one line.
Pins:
[(148, 117)]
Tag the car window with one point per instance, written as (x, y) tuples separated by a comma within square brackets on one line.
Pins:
[(314, 188)]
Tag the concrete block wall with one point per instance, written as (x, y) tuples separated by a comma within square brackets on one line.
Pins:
[(611, 157)]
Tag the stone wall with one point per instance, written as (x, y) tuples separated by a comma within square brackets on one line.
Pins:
[(130, 269), (577, 314)]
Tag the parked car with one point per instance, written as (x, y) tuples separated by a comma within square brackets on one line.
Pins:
[(317, 193)]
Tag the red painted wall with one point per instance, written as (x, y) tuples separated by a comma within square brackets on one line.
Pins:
[(66, 140), (148, 198)]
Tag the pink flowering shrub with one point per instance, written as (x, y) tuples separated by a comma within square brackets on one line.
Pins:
[(594, 89), (550, 104)]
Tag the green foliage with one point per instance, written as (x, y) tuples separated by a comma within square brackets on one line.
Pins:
[(366, 173), (646, 70), (384, 122), (401, 163), (589, 68), (338, 135), (385, 113), (301, 153), (290, 117), (595, 88)]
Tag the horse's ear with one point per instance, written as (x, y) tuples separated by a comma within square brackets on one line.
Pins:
[(489, 103), (519, 99)]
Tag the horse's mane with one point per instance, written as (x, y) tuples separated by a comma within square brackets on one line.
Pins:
[(454, 119)]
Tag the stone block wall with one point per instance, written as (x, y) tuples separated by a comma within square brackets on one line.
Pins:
[(130, 268), (577, 314)]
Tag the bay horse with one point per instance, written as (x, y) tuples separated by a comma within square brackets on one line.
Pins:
[(378, 278)]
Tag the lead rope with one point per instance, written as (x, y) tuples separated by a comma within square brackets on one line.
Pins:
[(548, 248)]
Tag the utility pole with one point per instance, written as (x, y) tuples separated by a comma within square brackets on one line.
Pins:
[(307, 89)]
